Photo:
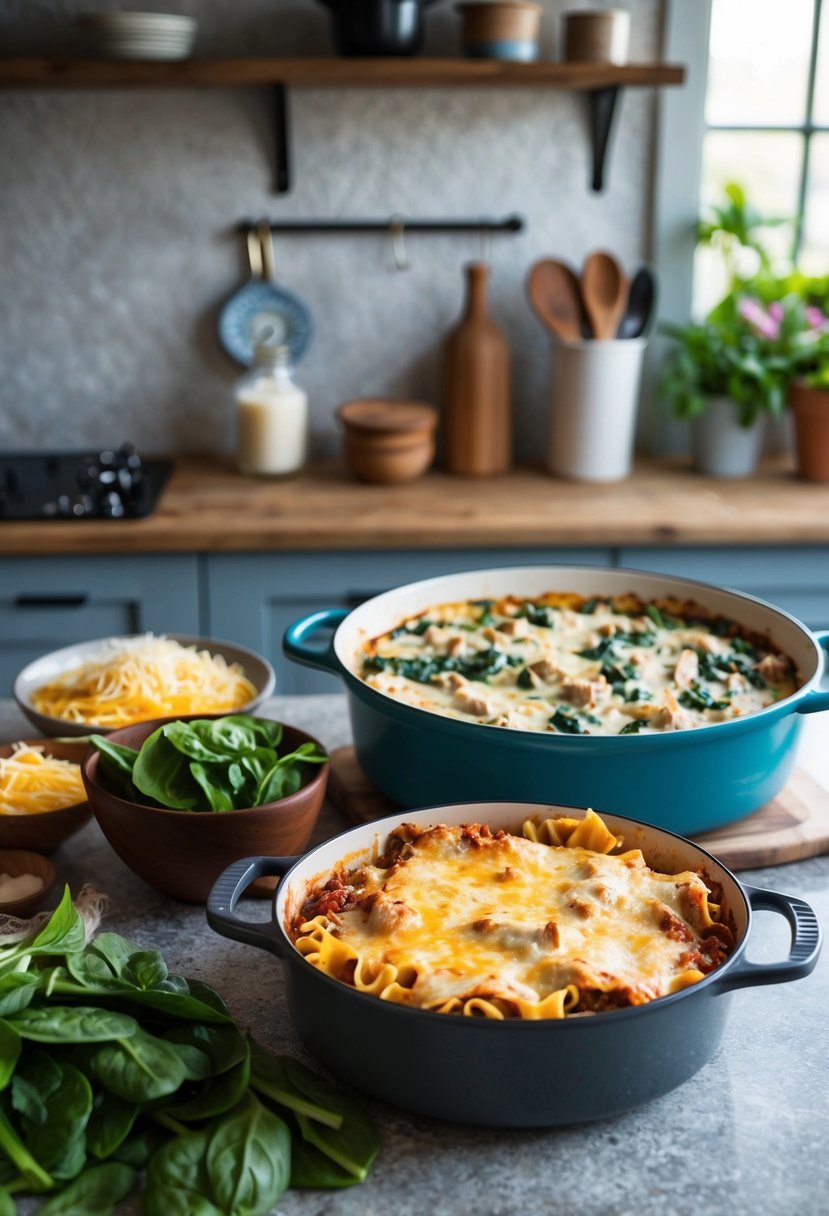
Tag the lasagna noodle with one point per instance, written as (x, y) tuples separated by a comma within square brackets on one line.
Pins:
[(461, 921)]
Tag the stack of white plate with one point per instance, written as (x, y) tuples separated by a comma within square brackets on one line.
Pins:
[(137, 35)]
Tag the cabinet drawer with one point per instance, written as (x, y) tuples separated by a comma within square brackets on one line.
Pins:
[(49, 603)]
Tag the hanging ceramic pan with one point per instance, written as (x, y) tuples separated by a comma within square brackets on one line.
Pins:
[(261, 311)]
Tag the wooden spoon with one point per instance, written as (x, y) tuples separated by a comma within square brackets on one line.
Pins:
[(604, 288), (553, 288)]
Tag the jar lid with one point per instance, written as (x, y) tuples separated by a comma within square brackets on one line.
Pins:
[(387, 414)]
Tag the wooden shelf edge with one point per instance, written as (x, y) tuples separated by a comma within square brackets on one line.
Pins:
[(322, 73)]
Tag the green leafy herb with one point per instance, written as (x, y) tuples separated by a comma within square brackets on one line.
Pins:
[(632, 728), (156, 1076), (538, 614), (699, 697), (210, 764), (571, 723)]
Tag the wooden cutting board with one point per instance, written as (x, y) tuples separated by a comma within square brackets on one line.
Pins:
[(792, 826)]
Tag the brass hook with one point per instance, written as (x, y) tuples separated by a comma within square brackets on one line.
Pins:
[(397, 228), (254, 254), (266, 247)]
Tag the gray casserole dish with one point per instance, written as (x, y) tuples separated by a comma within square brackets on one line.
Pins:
[(512, 1073)]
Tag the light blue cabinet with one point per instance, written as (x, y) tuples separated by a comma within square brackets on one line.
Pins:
[(795, 578), (253, 597), (50, 602)]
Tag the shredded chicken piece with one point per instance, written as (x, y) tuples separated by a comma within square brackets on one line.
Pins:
[(473, 702), (711, 644), (687, 669), (456, 646), (453, 680), (671, 715), (585, 692), (775, 668), (544, 669), (518, 627)]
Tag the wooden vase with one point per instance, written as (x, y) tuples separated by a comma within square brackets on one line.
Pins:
[(477, 412), (810, 407)]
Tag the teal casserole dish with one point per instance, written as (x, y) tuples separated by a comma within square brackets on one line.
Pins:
[(688, 781)]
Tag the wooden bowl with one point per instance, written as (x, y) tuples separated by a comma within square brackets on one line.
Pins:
[(182, 853), (47, 829), (21, 861), (388, 441)]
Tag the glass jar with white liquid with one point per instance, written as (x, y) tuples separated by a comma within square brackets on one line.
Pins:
[(272, 416)]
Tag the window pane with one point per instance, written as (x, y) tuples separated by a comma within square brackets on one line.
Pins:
[(821, 108), (767, 165), (814, 257), (759, 62)]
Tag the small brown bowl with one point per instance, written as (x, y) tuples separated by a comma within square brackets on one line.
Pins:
[(182, 853), (388, 441), (46, 829), (21, 861)]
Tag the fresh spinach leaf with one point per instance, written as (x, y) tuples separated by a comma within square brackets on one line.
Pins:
[(176, 1182), (249, 1160), (73, 1024), (17, 990), (59, 1142), (122, 758), (163, 773), (190, 743), (353, 1147), (216, 1096), (9, 1052), (208, 1051), (140, 1145), (313, 1170), (110, 1122), (144, 969), (95, 1192), (632, 728), (32, 1173), (139, 1068), (213, 781), (38, 1076)]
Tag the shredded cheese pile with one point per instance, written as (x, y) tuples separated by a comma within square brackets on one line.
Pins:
[(141, 678), (32, 782)]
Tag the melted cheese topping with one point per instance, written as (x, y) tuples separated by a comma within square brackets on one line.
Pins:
[(502, 926), (133, 680), (561, 663), (32, 782)]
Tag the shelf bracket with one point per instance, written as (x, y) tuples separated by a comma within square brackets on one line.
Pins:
[(282, 122), (602, 109)]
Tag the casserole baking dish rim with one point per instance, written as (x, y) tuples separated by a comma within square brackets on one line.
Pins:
[(273, 936), (330, 659)]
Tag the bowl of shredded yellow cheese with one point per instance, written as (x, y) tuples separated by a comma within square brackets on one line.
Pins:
[(102, 685), (42, 795)]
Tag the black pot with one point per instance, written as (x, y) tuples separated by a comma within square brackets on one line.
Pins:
[(378, 27), (514, 1073)]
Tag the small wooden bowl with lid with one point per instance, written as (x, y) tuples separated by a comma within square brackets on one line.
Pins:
[(387, 440)]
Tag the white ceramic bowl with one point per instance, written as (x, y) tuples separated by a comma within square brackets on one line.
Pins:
[(50, 666)]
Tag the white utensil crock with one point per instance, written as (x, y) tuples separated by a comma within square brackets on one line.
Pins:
[(594, 403)]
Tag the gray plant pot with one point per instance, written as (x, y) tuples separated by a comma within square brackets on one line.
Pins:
[(723, 448)]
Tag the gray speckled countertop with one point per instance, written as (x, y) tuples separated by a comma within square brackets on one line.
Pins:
[(746, 1136)]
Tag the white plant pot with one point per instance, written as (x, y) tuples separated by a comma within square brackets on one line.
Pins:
[(723, 448)]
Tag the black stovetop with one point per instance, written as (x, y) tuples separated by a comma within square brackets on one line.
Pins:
[(114, 483)]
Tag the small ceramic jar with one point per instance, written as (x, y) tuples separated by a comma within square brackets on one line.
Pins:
[(500, 29)]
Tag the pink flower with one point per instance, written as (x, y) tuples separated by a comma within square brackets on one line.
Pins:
[(763, 323), (775, 311), (815, 318)]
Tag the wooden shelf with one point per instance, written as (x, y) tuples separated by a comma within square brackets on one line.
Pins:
[(600, 82), (327, 73)]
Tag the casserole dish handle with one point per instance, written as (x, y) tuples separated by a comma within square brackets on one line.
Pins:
[(229, 888), (295, 635), (817, 700), (804, 950)]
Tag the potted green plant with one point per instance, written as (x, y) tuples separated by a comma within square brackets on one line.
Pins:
[(733, 370)]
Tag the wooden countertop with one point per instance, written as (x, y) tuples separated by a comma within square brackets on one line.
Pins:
[(208, 506)]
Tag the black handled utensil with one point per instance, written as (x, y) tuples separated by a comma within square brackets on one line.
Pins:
[(640, 305)]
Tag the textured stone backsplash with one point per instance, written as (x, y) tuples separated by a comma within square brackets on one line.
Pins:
[(118, 211)]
